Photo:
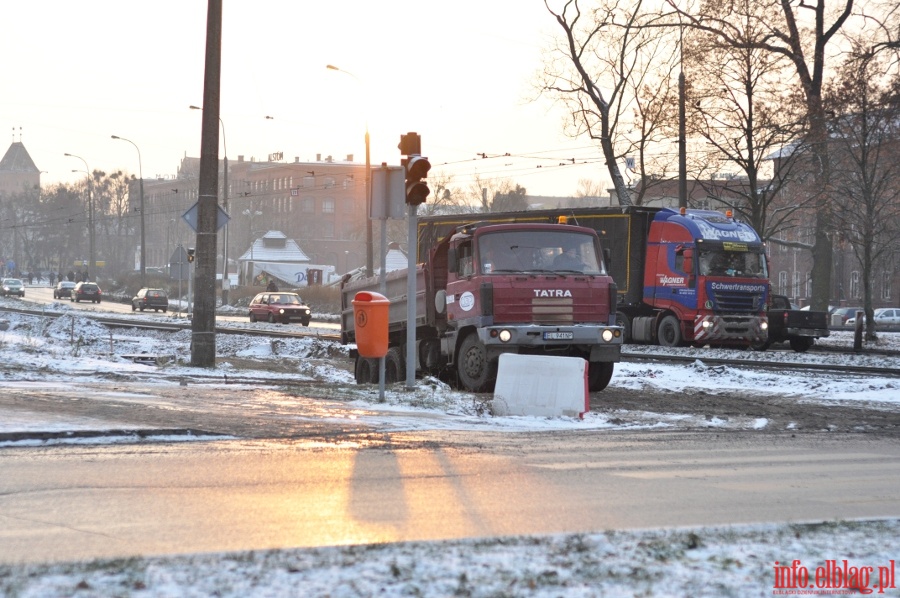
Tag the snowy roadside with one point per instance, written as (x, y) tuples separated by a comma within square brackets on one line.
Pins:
[(830, 558), (720, 561)]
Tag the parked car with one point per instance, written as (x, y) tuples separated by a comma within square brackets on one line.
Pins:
[(883, 316), (146, 298), (279, 307), (12, 286), (63, 289), (846, 313), (86, 291)]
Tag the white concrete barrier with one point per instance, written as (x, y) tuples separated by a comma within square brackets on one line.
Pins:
[(541, 385)]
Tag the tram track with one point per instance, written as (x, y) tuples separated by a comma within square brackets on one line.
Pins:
[(646, 357)]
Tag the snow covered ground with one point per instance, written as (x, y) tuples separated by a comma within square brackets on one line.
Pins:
[(732, 561)]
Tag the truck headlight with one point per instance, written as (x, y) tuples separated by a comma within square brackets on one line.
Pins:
[(706, 324), (607, 335), (504, 336), (763, 325)]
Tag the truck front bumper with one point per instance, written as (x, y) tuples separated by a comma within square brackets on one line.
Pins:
[(603, 342), (730, 328)]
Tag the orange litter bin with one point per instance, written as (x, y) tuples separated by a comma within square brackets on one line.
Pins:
[(370, 314)]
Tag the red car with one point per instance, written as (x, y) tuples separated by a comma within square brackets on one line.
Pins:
[(279, 307)]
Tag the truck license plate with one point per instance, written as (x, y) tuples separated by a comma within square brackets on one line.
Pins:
[(559, 336)]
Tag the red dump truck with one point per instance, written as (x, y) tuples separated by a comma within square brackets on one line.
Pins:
[(487, 289)]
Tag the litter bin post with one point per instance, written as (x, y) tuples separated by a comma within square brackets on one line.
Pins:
[(370, 316)]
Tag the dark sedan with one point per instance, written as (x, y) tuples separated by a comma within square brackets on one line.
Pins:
[(63, 289), (156, 299), (86, 291)]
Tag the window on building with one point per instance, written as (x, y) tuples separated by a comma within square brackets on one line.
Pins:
[(795, 285), (854, 285), (329, 182), (782, 282), (349, 181), (808, 285), (886, 280), (309, 182), (308, 205), (328, 206), (327, 228)]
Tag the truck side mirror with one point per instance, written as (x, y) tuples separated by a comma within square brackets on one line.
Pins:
[(452, 261), (606, 255)]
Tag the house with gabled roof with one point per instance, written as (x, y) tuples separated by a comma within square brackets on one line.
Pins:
[(274, 256)]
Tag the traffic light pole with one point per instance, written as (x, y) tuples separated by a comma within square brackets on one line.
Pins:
[(412, 251), (416, 167)]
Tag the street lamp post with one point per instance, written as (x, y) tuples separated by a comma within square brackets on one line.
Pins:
[(370, 270), (250, 214), (92, 263), (226, 283), (143, 235)]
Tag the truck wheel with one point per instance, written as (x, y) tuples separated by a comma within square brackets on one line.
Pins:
[(761, 345), (394, 366), (669, 334), (802, 343), (476, 373), (599, 375), (366, 370)]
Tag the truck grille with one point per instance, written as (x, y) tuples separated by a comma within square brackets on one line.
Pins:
[(552, 310), (736, 302)]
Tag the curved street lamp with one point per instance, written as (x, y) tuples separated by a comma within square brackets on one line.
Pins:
[(370, 268), (92, 258), (143, 238)]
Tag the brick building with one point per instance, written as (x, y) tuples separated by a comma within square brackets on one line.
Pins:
[(321, 205)]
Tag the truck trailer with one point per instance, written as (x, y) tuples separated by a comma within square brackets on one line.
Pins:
[(684, 277), (485, 289)]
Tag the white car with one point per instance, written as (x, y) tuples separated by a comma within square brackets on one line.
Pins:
[(12, 286), (883, 316)]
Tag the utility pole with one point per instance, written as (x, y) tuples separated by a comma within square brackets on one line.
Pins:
[(203, 323)]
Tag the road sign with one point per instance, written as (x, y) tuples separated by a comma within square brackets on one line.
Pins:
[(388, 193), (179, 268), (193, 213)]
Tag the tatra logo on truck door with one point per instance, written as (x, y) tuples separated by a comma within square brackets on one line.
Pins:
[(552, 293)]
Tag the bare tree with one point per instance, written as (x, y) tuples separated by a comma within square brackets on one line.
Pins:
[(866, 154), (444, 198), (590, 191), (800, 34), (745, 114), (607, 58), (510, 199)]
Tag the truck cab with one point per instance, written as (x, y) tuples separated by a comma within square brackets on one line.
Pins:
[(706, 277), (525, 288)]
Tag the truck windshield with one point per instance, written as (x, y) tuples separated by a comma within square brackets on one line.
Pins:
[(539, 251), (733, 263)]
